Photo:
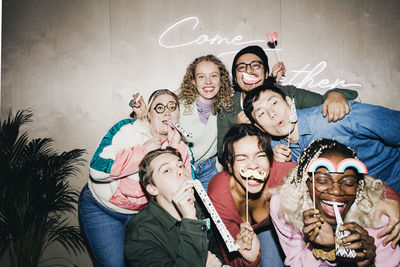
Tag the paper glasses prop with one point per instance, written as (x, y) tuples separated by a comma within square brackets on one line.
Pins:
[(256, 175), (340, 168)]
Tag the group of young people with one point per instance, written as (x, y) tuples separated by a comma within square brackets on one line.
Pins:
[(140, 207)]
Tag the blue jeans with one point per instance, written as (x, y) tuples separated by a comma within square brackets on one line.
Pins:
[(271, 252), (104, 230), (205, 170)]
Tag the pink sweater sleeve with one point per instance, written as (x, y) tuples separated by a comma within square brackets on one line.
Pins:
[(291, 240), (127, 162)]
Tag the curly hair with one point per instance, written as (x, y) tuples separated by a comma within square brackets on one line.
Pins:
[(188, 91), (295, 197)]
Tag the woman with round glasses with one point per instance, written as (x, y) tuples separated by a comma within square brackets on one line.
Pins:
[(330, 178), (113, 194)]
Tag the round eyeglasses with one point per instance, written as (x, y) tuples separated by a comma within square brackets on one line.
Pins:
[(171, 106), (324, 182), (254, 65)]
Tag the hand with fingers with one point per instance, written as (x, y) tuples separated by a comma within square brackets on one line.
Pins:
[(278, 70), (184, 200), (391, 208), (361, 242), (282, 153), (152, 144), (335, 106), (139, 106), (173, 136), (316, 230), (248, 242)]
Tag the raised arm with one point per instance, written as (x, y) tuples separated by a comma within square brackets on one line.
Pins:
[(334, 101)]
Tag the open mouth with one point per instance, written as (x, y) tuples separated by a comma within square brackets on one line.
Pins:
[(250, 79), (208, 89), (328, 207)]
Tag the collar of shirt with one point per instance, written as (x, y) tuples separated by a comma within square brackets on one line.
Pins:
[(161, 214)]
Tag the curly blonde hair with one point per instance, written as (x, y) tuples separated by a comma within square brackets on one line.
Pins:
[(188, 91), (295, 197)]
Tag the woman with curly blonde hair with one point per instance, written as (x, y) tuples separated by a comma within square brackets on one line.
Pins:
[(205, 91), (330, 178)]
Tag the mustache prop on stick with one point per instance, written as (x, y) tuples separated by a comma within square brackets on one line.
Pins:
[(254, 175)]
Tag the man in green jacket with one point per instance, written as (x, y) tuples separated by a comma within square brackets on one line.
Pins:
[(170, 230)]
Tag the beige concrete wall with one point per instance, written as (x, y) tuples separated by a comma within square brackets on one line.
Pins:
[(76, 63)]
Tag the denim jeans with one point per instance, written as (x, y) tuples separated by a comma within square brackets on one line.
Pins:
[(104, 230), (271, 252), (205, 170)]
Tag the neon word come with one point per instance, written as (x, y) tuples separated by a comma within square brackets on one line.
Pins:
[(202, 39)]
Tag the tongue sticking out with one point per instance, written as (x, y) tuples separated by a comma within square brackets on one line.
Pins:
[(250, 79)]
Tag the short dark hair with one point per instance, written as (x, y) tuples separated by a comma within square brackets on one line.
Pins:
[(254, 95), (236, 133), (146, 172)]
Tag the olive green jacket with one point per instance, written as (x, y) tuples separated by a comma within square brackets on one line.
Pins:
[(155, 238)]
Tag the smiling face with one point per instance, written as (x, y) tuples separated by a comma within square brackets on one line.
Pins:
[(249, 156), (271, 113), (169, 173), (158, 121), (250, 79), (324, 199), (207, 80)]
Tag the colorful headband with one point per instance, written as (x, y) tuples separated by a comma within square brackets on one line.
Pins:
[(340, 168)]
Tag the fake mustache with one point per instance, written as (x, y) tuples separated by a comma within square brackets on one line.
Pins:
[(253, 174)]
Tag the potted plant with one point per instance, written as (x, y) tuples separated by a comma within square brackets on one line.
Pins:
[(35, 194)]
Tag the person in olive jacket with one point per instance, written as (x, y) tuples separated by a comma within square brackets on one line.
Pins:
[(170, 230)]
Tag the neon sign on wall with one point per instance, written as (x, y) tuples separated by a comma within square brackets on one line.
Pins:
[(301, 78)]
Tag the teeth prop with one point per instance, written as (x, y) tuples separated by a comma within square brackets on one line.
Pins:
[(250, 79), (228, 239), (133, 102), (253, 173), (185, 133), (340, 250)]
